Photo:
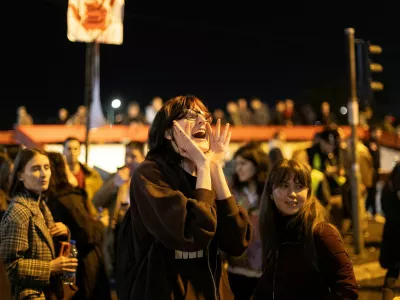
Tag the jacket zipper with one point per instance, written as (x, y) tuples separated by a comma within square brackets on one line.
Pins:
[(209, 268), (276, 266)]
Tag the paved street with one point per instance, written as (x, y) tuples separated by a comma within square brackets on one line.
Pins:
[(371, 289)]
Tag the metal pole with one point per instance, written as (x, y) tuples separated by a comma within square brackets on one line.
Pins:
[(353, 122), (90, 55)]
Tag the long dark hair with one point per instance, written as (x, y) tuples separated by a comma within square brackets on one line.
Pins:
[(253, 152), (59, 179), (22, 159), (172, 110), (311, 215)]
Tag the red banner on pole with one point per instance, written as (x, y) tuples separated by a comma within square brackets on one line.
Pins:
[(95, 21)]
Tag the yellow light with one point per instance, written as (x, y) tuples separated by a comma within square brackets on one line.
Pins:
[(375, 49), (377, 86), (376, 67)]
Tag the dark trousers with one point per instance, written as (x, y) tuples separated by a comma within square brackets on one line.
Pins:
[(391, 277), (370, 202), (242, 286), (390, 282)]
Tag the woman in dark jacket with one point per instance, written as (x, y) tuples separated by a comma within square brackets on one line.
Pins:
[(303, 254), (178, 196), (67, 204), (390, 252)]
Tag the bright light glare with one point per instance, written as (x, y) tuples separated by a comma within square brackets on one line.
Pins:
[(343, 110), (116, 103)]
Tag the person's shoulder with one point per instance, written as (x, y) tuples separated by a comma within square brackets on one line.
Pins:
[(147, 168), (16, 212), (326, 230), (328, 240)]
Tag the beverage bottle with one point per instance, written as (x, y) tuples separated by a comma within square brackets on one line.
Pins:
[(69, 277)]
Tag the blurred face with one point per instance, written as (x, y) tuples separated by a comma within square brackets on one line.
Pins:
[(325, 107), (133, 110), (133, 157), (157, 103), (245, 169), (196, 119), (72, 150), (22, 111), (326, 147), (36, 174), (280, 106), (242, 103), (377, 134), (231, 107), (82, 111), (63, 114), (289, 196), (255, 104)]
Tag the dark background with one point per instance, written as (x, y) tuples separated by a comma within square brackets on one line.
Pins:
[(217, 51)]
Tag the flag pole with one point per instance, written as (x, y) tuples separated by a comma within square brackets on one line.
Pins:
[(89, 68)]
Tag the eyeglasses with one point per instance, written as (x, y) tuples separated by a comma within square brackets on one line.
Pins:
[(191, 115)]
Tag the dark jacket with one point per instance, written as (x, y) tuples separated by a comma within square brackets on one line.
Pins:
[(68, 207), (390, 252), (297, 275), (176, 238)]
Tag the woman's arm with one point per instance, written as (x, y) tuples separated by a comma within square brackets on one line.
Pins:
[(179, 222), (14, 249), (335, 263)]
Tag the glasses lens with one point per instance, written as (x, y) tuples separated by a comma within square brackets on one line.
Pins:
[(191, 115)]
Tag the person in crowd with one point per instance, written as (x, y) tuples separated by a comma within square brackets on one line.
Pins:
[(303, 253), (28, 233), (6, 167), (179, 195), (67, 204), (251, 171), (114, 196), (390, 253), (88, 178)]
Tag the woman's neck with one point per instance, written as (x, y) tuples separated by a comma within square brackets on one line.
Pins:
[(189, 167), (252, 186)]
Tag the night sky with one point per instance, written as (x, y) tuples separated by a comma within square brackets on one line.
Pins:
[(216, 53)]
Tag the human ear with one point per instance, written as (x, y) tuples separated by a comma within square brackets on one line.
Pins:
[(168, 135)]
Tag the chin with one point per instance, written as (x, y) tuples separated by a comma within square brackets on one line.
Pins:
[(204, 146)]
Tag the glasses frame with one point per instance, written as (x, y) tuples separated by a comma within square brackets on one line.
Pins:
[(207, 115)]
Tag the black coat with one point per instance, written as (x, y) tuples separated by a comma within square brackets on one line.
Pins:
[(68, 207), (390, 251)]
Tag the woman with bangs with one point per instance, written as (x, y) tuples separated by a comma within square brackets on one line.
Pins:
[(178, 196), (303, 253)]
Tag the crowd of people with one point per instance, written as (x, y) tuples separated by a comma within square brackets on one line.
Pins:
[(181, 222)]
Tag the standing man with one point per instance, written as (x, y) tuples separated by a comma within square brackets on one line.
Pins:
[(88, 178)]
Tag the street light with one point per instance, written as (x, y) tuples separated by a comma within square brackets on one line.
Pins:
[(116, 103)]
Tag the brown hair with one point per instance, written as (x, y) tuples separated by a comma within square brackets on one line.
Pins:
[(172, 110), (310, 216), (22, 159), (254, 153)]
